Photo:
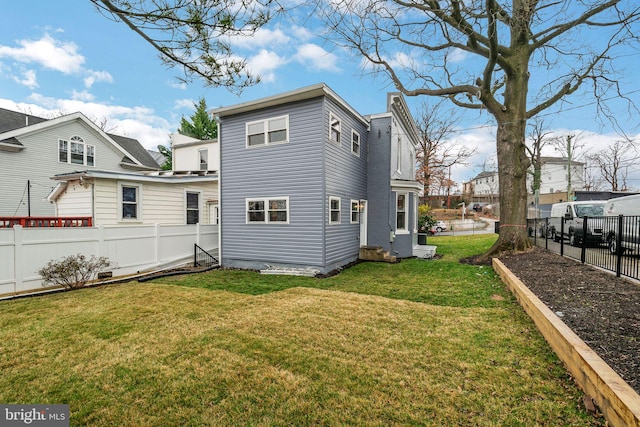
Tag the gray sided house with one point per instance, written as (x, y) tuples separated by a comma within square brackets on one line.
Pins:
[(33, 149), (306, 181)]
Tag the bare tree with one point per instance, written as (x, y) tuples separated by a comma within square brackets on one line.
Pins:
[(538, 139), (481, 55), (613, 163), (438, 152), (195, 35)]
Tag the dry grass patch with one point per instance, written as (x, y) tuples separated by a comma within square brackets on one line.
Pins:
[(153, 354)]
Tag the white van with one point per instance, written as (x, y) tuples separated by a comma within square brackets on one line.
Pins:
[(629, 207), (572, 214)]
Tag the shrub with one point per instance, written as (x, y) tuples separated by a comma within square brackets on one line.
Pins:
[(425, 221), (73, 271)]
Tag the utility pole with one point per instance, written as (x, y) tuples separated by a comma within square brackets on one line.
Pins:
[(569, 198), (28, 197)]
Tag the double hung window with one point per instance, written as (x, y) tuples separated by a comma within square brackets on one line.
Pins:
[(76, 152), (334, 210), (268, 210), (268, 132)]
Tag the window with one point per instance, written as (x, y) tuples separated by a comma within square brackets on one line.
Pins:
[(193, 207), (334, 128), (204, 159), (355, 211), (415, 213), (130, 196), (267, 132), (401, 211), (399, 155), (355, 143), (334, 210), (75, 151), (272, 210)]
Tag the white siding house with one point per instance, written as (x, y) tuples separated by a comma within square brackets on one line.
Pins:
[(191, 154), (134, 199)]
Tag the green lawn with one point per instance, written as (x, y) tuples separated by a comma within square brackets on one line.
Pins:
[(416, 343)]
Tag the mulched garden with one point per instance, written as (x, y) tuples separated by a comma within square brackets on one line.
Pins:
[(602, 309)]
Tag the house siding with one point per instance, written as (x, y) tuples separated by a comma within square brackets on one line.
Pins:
[(346, 177), (380, 195), (76, 200), (38, 162), (292, 170)]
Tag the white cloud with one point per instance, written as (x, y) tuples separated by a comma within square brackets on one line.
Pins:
[(264, 64), (97, 76), (457, 55), (134, 122), (48, 52), (264, 37), (28, 79), (316, 58), (183, 103), (82, 96), (301, 33)]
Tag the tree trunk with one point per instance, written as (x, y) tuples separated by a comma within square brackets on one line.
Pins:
[(512, 173)]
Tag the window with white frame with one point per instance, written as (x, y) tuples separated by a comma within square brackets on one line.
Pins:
[(399, 154), (415, 213), (335, 128), (401, 211), (130, 196), (193, 207), (203, 155), (273, 210), (355, 143), (75, 151), (355, 211), (267, 132), (334, 210)]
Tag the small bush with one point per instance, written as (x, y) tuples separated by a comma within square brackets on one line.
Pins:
[(73, 271)]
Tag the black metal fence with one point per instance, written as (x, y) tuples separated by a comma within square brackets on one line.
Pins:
[(202, 258), (611, 243)]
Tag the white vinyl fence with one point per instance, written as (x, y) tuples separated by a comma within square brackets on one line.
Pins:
[(131, 249)]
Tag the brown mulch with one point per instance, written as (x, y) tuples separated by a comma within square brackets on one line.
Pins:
[(602, 309)]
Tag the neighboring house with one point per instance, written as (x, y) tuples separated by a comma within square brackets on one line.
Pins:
[(306, 181), (554, 179), (484, 187), (192, 154), (33, 149), (118, 198)]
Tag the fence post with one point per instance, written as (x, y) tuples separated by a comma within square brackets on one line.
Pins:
[(546, 233), (18, 254), (562, 236), (618, 238), (583, 252)]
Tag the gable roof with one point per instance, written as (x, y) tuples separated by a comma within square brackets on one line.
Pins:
[(14, 124)]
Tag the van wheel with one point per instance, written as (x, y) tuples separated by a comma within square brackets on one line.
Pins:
[(555, 237), (572, 239), (612, 246)]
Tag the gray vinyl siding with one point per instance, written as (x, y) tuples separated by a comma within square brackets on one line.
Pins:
[(346, 177), (292, 170), (38, 161), (381, 198)]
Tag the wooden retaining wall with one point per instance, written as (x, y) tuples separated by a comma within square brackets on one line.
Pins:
[(619, 403)]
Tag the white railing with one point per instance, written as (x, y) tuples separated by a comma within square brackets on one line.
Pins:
[(131, 249)]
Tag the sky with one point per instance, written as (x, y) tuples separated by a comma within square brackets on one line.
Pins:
[(63, 57)]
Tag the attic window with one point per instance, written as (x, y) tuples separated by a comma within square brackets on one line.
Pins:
[(76, 152)]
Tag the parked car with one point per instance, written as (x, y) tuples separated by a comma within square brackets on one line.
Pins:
[(439, 227), (572, 214), (629, 207)]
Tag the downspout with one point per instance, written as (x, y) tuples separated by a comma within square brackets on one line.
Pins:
[(219, 124)]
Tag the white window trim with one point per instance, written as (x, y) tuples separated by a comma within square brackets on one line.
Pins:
[(353, 132), (331, 199), (415, 213), (200, 151), (265, 200), (138, 187), (266, 131), (200, 205), (404, 230), (351, 211), (77, 140), (333, 116)]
